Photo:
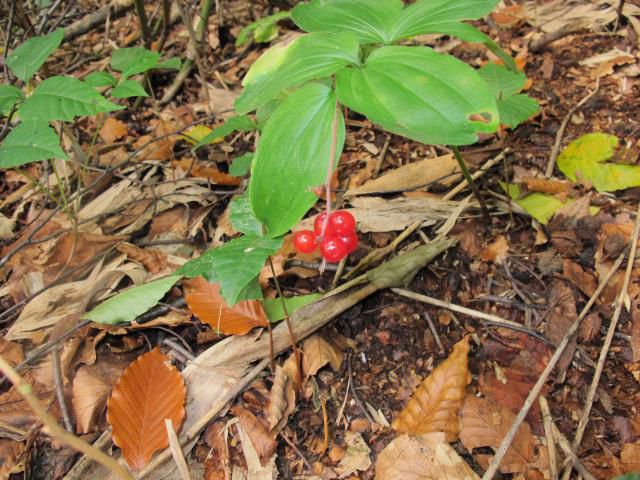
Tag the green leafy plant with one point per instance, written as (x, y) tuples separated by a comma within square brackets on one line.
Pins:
[(62, 98), (262, 30)]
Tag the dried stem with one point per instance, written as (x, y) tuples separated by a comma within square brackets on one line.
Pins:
[(332, 161), (584, 418), (547, 420), (56, 431), (144, 23), (57, 378)]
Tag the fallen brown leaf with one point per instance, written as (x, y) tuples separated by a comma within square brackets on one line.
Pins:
[(282, 401), (630, 457), (426, 457), (13, 458), (496, 251), (485, 424), (258, 433), (205, 301), (154, 261), (356, 458), (112, 130), (148, 392), (317, 353), (561, 316), (435, 405)]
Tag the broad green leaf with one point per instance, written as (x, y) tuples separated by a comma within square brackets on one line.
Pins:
[(100, 79), (242, 218), (25, 60), (131, 61), (63, 98), (629, 476), (293, 157), (171, 64), (371, 20), (424, 95), (514, 108), (132, 302), (425, 16), (240, 166), (586, 159), (9, 96), (539, 205), (287, 65), (264, 29), (234, 265), (127, 89), (264, 112), (30, 141), (237, 123), (275, 311)]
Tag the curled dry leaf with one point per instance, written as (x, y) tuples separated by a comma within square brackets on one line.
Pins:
[(547, 185), (154, 261), (264, 445), (427, 457), (12, 454), (112, 130), (357, 457), (562, 315), (148, 392), (205, 301), (485, 424), (496, 251), (204, 171), (282, 401), (317, 353), (435, 405)]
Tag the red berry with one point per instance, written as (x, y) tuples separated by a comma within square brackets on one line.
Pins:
[(333, 249), (319, 222), (350, 241), (304, 241), (342, 222)]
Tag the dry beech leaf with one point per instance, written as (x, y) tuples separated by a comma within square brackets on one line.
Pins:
[(484, 424), (205, 301), (427, 457), (356, 458), (546, 185), (149, 391), (112, 130), (496, 251), (435, 405), (154, 261), (282, 401), (204, 171), (260, 439), (12, 454), (562, 315), (317, 353), (630, 457)]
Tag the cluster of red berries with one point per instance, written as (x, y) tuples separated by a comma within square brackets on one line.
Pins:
[(340, 237)]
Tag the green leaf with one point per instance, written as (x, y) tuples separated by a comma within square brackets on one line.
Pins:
[(173, 63), (264, 112), (426, 16), (539, 205), (264, 29), (234, 265), (629, 476), (30, 141), (237, 123), (371, 20), (100, 79), (127, 89), (25, 60), (9, 96), (514, 108), (63, 98), (287, 65), (275, 311), (242, 218), (241, 166), (586, 157), (293, 157), (424, 95), (131, 61), (132, 302)]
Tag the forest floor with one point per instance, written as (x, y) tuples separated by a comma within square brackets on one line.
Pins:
[(149, 215)]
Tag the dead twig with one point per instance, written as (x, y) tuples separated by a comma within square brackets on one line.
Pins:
[(591, 395), (565, 121), (381, 156), (113, 10), (356, 397), (566, 448), (535, 390), (57, 380), (55, 430), (144, 23), (434, 332), (476, 175), (547, 420)]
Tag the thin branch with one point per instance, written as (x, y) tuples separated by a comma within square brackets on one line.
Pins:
[(535, 390), (56, 431), (547, 420), (622, 296), (144, 23), (474, 187), (57, 379)]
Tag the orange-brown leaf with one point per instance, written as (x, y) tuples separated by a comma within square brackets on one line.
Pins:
[(485, 424), (258, 433), (546, 185), (282, 401), (205, 301), (149, 391), (435, 405), (112, 130)]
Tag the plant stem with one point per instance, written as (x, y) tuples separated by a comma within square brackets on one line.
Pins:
[(144, 23), (56, 431), (474, 187), (296, 352), (332, 161)]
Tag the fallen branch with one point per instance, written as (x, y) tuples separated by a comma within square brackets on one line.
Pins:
[(535, 390), (591, 395), (115, 9)]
